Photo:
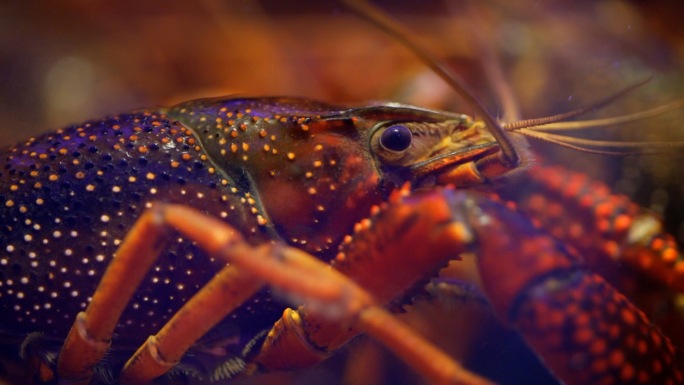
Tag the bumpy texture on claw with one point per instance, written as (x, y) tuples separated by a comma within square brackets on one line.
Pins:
[(603, 226), (584, 329)]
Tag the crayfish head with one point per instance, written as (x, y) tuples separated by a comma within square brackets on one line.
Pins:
[(458, 151)]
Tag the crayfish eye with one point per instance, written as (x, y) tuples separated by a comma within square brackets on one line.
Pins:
[(396, 138)]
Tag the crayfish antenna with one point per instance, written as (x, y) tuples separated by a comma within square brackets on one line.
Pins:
[(532, 128), (527, 123), (593, 123), (541, 129), (399, 33)]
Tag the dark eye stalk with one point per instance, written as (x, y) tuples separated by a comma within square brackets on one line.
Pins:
[(396, 138)]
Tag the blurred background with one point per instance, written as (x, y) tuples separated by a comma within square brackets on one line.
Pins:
[(68, 61)]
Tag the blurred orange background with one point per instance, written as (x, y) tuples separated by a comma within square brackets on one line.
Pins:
[(68, 61)]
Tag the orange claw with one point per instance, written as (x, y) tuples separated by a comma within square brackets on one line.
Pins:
[(328, 291), (603, 226), (376, 258), (584, 329), (333, 295)]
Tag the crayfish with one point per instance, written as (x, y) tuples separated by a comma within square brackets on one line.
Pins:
[(230, 236)]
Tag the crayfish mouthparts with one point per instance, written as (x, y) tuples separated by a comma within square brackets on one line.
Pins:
[(462, 153), (460, 168)]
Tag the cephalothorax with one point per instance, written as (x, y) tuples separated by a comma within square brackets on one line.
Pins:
[(192, 209)]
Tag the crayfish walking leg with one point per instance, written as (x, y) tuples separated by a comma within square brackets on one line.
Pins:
[(296, 272), (581, 327)]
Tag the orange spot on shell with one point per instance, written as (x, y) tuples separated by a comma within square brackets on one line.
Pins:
[(616, 358), (628, 317), (598, 347), (679, 268), (657, 366), (603, 225), (657, 244), (555, 210), (612, 249), (604, 209), (599, 366), (622, 223), (642, 347), (576, 230), (669, 255), (627, 372), (587, 201), (583, 336)]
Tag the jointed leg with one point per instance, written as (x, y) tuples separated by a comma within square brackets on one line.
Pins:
[(583, 328), (90, 336), (330, 291), (291, 270), (223, 294)]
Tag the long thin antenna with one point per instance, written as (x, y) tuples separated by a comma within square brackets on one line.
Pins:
[(593, 123), (513, 126), (397, 32)]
